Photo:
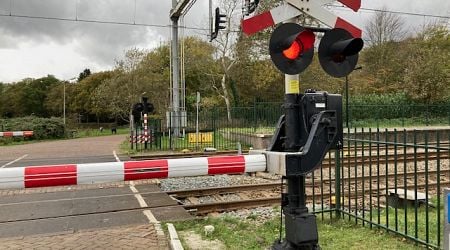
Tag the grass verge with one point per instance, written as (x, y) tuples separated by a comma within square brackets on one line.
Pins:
[(236, 233)]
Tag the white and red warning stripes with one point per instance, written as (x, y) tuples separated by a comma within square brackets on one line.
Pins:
[(145, 128), (269, 18), (140, 138), (315, 10), (295, 8), (16, 133), (73, 174)]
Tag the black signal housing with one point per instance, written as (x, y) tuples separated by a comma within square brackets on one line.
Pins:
[(338, 52)]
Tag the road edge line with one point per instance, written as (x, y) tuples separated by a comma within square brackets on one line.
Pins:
[(14, 161), (151, 218)]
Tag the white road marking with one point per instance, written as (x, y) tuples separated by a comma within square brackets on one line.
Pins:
[(151, 218), (16, 160), (115, 156)]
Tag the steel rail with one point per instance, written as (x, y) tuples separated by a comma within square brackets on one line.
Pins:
[(410, 157), (221, 190), (224, 206), (389, 175)]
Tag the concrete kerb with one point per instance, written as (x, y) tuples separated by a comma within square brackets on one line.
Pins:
[(175, 243)]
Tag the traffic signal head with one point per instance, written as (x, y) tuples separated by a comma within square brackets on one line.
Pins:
[(137, 110), (291, 48), (338, 52), (147, 107), (218, 19)]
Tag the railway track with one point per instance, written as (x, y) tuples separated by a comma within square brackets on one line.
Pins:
[(387, 158), (373, 146), (361, 186), (224, 206), (223, 190), (275, 198)]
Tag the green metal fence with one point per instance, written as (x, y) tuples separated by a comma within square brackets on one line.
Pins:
[(216, 129), (366, 182), (222, 132)]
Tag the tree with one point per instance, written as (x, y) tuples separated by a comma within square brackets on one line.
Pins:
[(117, 94), (84, 74), (140, 73), (385, 27), (427, 72), (225, 53), (383, 55), (2, 97), (83, 101), (198, 60)]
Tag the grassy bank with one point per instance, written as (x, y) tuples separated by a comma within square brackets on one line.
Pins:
[(236, 233)]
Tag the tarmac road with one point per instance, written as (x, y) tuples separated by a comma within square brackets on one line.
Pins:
[(97, 216), (117, 215), (73, 151)]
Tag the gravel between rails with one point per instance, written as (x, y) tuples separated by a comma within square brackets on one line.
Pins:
[(197, 182)]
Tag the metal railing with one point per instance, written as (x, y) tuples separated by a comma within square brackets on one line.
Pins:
[(390, 181), (217, 131)]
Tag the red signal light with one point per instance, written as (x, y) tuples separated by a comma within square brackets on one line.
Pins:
[(302, 43), (307, 38), (291, 48), (293, 51)]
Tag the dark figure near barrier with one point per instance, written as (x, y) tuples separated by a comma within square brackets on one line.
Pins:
[(113, 130)]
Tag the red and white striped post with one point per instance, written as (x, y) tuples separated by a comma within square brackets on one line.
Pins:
[(145, 130), (73, 174)]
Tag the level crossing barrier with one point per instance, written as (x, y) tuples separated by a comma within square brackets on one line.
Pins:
[(16, 133), (73, 174)]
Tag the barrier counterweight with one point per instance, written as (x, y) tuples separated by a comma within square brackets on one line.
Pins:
[(73, 174)]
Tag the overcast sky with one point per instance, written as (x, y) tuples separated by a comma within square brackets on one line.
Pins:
[(36, 47)]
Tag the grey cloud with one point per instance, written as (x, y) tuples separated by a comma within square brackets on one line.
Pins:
[(99, 42)]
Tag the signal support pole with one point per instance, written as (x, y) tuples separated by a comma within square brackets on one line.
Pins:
[(301, 228), (175, 75)]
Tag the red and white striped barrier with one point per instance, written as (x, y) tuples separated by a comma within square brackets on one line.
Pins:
[(16, 133), (73, 174)]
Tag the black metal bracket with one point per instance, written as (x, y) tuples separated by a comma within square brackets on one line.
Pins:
[(320, 138)]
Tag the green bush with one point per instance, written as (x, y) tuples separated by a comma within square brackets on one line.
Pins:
[(44, 128), (393, 106)]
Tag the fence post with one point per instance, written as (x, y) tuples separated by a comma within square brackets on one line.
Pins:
[(448, 114), (214, 127), (337, 188), (403, 107), (254, 117)]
